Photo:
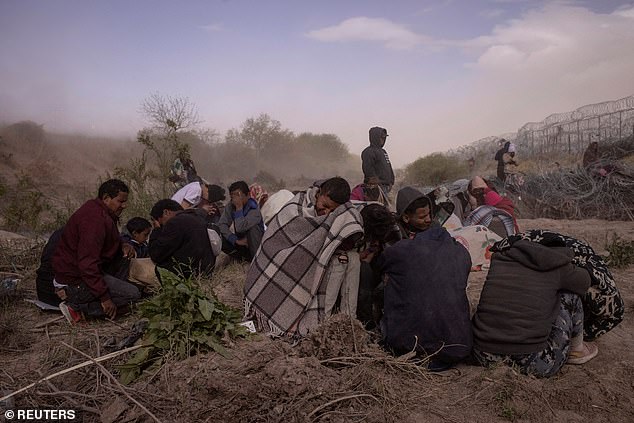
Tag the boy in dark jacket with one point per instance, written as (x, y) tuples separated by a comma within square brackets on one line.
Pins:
[(138, 233), (375, 161)]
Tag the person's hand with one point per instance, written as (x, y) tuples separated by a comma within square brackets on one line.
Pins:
[(211, 209), (109, 308), (61, 294), (128, 250), (155, 224), (242, 242)]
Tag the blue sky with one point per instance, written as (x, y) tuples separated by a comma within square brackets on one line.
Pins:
[(436, 74)]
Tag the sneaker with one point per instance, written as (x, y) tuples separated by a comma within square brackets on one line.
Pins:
[(589, 351), (73, 316)]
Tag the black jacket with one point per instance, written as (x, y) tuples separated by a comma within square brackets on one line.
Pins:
[(182, 245), (375, 159), (426, 304)]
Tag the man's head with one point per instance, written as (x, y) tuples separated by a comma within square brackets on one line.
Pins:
[(378, 223), (333, 192), (378, 136), (114, 194), (418, 215), (239, 193), (164, 210), (413, 209)]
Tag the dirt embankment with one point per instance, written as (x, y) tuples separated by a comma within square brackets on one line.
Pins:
[(337, 375)]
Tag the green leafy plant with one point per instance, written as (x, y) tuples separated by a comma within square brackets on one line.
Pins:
[(183, 321), (621, 252)]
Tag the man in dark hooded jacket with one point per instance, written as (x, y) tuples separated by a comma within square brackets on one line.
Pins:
[(376, 162), (426, 306)]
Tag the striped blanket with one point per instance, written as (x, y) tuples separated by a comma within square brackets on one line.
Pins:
[(483, 215), (285, 289)]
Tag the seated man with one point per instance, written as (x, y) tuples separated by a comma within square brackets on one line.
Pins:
[(426, 306), (243, 213), (179, 241), (530, 312), (414, 212), (303, 266), (89, 240)]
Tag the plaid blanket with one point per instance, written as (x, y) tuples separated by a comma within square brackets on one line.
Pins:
[(603, 306), (483, 215), (285, 288)]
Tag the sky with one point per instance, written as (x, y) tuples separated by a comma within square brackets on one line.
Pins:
[(436, 74)]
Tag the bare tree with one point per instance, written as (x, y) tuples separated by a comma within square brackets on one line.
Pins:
[(170, 114), (169, 117)]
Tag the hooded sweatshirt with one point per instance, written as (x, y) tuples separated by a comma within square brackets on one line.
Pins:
[(520, 299), (426, 304), (375, 159), (405, 197)]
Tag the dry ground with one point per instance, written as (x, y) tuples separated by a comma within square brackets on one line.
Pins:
[(338, 375)]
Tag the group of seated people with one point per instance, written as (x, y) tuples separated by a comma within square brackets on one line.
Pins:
[(317, 252)]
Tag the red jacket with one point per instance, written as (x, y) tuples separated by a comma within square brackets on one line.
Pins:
[(90, 238)]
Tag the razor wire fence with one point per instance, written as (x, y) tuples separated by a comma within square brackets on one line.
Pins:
[(571, 132)]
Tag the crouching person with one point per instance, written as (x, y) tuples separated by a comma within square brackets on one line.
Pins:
[(179, 241), (426, 307), (88, 242), (530, 312)]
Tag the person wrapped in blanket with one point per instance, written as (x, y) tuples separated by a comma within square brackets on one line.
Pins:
[(536, 302), (489, 207), (425, 275), (306, 268)]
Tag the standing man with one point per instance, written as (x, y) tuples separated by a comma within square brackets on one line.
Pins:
[(499, 157), (89, 241), (376, 162)]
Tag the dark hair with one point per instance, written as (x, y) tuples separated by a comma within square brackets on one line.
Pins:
[(419, 203), (112, 188), (137, 224), (337, 188), (162, 205), (239, 185), (216, 193), (378, 222)]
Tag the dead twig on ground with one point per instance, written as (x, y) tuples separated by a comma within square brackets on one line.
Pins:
[(70, 369)]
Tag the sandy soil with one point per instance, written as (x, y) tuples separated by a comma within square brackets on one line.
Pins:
[(338, 375)]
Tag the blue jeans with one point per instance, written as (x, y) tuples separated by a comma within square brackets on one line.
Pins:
[(81, 298)]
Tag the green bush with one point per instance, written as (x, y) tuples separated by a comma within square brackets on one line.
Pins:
[(435, 169), (621, 253)]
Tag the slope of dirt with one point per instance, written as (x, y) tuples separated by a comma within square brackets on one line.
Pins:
[(339, 374)]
